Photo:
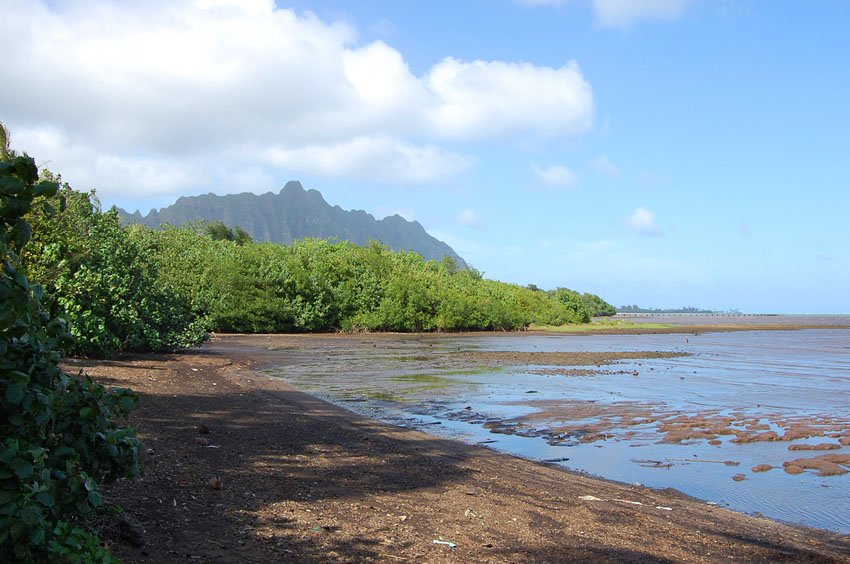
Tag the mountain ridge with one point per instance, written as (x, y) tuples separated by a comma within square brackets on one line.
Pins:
[(296, 213)]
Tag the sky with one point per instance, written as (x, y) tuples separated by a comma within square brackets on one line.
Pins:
[(664, 153)]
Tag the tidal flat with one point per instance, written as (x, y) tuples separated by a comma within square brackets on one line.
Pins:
[(755, 421)]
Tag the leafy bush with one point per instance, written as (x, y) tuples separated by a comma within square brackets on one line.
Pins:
[(105, 282), (597, 306), (61, 436), (319, 285)]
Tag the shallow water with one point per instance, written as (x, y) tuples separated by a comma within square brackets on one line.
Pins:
[(773, 379)]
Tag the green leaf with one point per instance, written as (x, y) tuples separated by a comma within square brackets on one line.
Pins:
[(37, 537), (95, 499), (45, 189), (15, 392), (22, 468), (30, 515), (45, 499)]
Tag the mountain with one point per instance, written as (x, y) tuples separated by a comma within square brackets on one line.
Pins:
[(295, 213)]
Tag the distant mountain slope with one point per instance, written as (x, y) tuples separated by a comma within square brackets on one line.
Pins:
[(296, 213)]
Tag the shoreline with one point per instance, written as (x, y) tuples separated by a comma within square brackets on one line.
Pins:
[(304, 480)]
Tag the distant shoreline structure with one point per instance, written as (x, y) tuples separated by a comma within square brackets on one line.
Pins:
[(686, 310), (666, 313)]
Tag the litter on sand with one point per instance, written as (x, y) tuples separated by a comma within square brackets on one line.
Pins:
[(662, 508), (447, 543), (590, 498)]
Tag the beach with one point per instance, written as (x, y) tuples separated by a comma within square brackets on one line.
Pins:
[(239, 466)]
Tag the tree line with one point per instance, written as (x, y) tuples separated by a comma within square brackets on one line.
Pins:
[(135, 288)]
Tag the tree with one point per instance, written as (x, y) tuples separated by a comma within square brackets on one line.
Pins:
[(105, 282), (218, 231), (6, 153)]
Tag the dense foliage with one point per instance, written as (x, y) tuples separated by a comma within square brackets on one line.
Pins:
[(319, 285), (218, 231), (596, 306), (105, 283), (61, 434)]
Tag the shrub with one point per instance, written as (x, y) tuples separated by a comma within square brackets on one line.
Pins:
[(105, 282), (61, 434)]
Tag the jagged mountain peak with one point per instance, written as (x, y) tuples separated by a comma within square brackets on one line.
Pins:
[(295, 213)]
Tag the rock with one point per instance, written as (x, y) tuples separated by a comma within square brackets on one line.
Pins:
[(214, 483)]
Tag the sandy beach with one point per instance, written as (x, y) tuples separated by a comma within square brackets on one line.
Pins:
[(240, 467)]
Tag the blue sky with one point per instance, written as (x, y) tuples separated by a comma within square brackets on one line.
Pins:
[(658, 152)]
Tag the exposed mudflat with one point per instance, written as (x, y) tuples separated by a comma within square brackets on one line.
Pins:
[(667, 410), (243, 468)]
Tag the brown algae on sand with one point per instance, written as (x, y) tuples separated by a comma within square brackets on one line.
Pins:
[(824, 465)]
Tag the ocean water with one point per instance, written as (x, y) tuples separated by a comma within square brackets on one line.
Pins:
[(767, 380)]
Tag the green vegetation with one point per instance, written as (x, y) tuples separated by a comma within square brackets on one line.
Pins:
[(103, 279), (601, 326), (141, 289), (319, 285), (61, 434), (218, 231)]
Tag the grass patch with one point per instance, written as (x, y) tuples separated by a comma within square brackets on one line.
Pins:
[(600, 326)]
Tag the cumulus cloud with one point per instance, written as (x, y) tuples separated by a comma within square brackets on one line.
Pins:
[(555, 176), (485, 99), (625, 13), (604, 165), (642, 221), (380, 158), (170, 86)]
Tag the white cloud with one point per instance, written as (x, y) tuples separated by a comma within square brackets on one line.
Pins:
[(469, 217), (482, 99), (604, 165), (555, 176), (378, 158), (173, 87), (642, 221), (625, 13)]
